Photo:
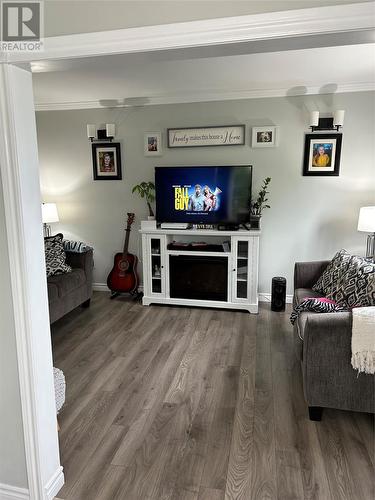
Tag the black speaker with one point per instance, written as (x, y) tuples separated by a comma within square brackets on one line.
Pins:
[(278, 296)]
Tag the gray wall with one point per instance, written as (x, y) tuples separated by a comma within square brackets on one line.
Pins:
[(12, 449), (310, 218)]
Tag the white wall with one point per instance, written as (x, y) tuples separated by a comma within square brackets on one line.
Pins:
[(12, 448), (310, 218)]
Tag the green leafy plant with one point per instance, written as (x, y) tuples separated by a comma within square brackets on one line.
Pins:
[(260, 203), (146, 190)]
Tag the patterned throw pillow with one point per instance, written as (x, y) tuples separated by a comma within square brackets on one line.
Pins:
[(55, 255), (328, 282), (356, 288)]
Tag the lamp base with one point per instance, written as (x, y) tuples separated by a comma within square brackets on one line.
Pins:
[(370, 247), (46, 230)]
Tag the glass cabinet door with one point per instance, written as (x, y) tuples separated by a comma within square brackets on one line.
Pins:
[(241, 270), (156, 265)]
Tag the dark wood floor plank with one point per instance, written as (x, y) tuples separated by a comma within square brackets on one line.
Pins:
[(263, 477), (366, 430), (210, 494), (313, 471), (238, 484), (173, 403), (338, 472), (359, 462), (288, 467)]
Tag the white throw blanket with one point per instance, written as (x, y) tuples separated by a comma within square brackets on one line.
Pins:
[(363, 339)]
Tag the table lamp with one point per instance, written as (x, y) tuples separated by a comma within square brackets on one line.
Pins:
[(49, 214), (366, 223)]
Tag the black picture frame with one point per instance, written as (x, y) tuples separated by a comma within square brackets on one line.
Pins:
[(209, 127), (111, 150), (330, 157)]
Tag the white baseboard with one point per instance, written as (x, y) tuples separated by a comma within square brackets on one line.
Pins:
[(266, 297), (55, 484), (100, 287), (263, 297), (8, 492)]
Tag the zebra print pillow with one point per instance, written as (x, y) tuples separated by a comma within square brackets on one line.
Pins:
[(315, 304), (328, 282), (55, 255)]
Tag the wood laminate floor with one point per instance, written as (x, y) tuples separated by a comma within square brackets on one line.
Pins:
[(172, 403)]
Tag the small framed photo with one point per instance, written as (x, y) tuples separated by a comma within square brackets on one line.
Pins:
[(152, 144), (264, 137), (106, 159), (322, 154)]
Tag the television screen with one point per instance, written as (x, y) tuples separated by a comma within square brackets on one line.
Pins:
[(203, 195)]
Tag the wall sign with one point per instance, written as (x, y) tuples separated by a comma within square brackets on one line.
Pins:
[(228, 135)]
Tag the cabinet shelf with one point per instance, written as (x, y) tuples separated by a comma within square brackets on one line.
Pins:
[(197, 252)]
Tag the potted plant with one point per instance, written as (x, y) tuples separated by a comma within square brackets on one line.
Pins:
[(146, 190), (257, 206)]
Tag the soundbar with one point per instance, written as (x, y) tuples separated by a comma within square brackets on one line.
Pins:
[(174, 225)]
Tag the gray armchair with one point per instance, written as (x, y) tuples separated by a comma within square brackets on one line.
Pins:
[(323, 346), (68, 291)]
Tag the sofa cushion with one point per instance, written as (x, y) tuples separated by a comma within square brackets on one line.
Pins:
[(66, 283), (356, 287), (55, 255), (328, 282), (53, 291)]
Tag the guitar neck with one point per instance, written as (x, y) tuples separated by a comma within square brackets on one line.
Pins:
[(126, 244)]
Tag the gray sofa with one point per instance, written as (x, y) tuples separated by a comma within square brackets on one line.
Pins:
[(324, 351), (70, 290)]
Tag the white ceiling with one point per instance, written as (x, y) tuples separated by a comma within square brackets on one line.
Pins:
[(161, 79), (64, 17)]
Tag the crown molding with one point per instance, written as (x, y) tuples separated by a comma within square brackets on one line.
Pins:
[(210, 32), (209, 96)]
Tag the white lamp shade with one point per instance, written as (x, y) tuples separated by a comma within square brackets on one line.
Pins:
[(314, 118), (366, 220), (91, 131), (338, 117), (49, 213), (110, 129)]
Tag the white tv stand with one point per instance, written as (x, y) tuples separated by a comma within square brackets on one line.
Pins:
[(242, 266)]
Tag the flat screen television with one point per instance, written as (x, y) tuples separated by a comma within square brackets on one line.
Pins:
[(203, 195)]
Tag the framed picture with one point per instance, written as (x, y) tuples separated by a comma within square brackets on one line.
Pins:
[(106, 160), (264, 137), (322, 154), (152, 144), (226, 135)]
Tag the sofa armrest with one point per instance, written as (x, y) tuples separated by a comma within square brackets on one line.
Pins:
[(83, 261), (306, 274)]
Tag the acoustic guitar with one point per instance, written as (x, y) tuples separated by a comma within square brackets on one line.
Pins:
[(123, 278)]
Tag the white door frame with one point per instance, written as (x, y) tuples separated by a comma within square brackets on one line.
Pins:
[(22, 205), (18, 157)]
